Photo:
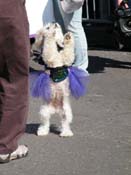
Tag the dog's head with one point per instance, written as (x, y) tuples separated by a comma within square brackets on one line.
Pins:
[(52, 30)]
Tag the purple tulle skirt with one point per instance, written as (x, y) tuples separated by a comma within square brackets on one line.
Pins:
[(78, 81), (40, 83)]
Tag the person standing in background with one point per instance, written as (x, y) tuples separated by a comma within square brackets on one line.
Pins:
[(14, 70), (72, 22)]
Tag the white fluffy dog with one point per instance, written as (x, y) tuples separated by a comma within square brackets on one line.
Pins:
[(48, 41)]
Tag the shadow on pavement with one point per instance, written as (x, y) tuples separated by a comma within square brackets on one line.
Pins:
[(98, 64), (32, 129)]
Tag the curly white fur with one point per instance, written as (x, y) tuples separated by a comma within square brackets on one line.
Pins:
[(48, 38)]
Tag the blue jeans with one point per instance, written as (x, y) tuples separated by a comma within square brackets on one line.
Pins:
[(73, 23)]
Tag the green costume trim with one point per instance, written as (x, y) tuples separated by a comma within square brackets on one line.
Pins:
[(58, 74)]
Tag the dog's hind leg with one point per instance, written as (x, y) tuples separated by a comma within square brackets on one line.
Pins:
[(45, 114), (67, 119)]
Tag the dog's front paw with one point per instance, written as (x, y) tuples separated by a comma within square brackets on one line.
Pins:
[(68, 38), (68, 35), (42, 130), (66, 133)]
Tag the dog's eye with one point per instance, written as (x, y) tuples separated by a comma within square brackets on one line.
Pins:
[(47, 28)]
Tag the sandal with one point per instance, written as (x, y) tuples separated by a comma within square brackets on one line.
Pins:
[(20, 152)]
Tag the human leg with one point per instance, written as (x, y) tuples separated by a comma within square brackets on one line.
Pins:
[(73, 22), (75, 26), (14, 54)]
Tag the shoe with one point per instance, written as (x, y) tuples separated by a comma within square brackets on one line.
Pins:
[(20, 152)]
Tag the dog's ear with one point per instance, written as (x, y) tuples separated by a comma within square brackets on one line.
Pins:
[(40, 34), (38, 40)]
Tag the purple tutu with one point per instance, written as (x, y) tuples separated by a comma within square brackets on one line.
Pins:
[(40, 83), (78, 79)]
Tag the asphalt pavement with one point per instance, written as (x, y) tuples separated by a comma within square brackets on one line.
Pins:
[(101, 144)]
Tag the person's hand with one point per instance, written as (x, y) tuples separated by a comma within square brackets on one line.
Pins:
[(121, 3)]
